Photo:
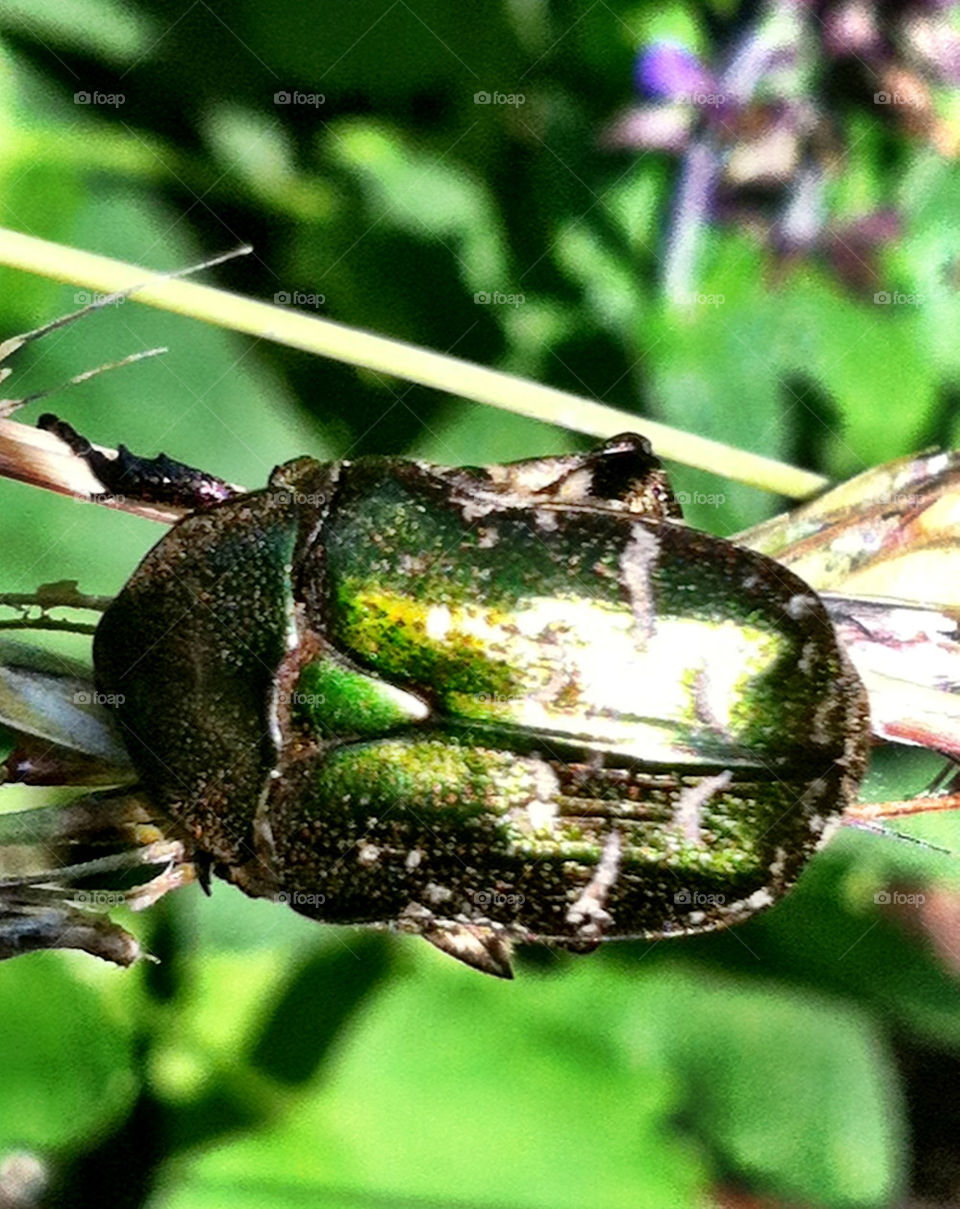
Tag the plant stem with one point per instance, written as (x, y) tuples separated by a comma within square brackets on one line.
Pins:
[(399, 360)]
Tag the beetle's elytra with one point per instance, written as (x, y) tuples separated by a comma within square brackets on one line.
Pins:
[(524, 701)]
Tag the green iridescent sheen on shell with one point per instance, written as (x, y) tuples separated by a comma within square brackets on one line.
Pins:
[(484, 699)]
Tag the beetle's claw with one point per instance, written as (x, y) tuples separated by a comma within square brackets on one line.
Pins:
[(203, 866)]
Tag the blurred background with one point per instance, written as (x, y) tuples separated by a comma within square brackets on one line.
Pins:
[(738, 218)]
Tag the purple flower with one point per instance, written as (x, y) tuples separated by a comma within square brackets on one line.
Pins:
[(655, 127), (671, 72), (764, 135)]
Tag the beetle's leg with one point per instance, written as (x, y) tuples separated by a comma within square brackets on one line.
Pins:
[(159, 480), (623, 472)]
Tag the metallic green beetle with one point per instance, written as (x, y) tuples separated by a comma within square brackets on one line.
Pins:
[(516, 702)]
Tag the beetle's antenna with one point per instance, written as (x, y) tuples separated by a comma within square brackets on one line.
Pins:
[(9, 406), (41, 459), (8, 347), (98, 302)]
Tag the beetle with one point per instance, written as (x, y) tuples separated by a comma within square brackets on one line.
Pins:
[(481, 704)]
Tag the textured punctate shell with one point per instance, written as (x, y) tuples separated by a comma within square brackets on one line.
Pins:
[(484, 699)]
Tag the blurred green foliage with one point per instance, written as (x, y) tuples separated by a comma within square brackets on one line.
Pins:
[(270, 1062)]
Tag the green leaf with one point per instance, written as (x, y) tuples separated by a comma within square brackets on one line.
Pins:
[(311, 1012), (68, 1068), (456, 1090), (105, 29), (789, 1092)]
